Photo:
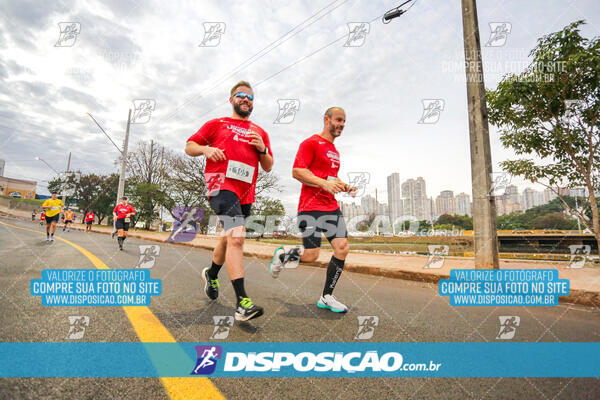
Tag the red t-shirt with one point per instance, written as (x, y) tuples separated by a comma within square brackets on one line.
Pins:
[(321, 158), (239, 171), (89, 216), (122, 210)]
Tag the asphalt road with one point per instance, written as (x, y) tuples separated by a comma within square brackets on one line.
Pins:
[(407, 311)]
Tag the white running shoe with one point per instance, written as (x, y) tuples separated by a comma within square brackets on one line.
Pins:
[(276, 263), (329, 302), (285, 259), (52, 238)]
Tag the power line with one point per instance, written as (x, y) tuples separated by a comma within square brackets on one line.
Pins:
[(106, 134), (292, 64), (258, 56)]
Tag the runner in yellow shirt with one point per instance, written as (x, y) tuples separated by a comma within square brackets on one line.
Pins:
[(53, 207), (69, 214)]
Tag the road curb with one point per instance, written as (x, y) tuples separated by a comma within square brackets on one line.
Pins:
[(582, 297), (576, 296)]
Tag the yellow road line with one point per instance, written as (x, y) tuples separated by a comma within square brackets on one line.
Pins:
[(150, 330)]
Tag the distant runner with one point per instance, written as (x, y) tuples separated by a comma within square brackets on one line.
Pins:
[(53, 206), (122, 214), (69, 215), (89, 220)]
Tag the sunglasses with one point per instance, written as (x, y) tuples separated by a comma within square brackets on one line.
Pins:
[(242, 95)]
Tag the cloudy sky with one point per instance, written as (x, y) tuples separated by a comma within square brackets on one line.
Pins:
[(123, 51)]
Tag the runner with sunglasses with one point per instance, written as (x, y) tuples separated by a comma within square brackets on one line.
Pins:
[(234, 147)]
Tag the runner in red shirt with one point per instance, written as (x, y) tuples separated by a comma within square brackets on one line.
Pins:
[(316, 166), (42, 218), (89, 220), (234, 147), (122, 213)]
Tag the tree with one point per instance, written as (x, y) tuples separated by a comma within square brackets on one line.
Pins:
[(460, 221), (184, 185), (88, 191), (551, 111), (364, 225), (267, 183), (267, 207), (424, 226), (66, 184), (145, 197), (552, 215), (147, 171), (555, 220), (105, 202)]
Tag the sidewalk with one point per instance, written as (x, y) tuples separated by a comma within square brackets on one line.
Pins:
[(584, 282)]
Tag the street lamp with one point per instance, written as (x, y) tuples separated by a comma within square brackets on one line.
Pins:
[(50, 166)]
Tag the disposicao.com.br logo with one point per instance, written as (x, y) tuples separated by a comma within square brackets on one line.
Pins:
[(321, 362)]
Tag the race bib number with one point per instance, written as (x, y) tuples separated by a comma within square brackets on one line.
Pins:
[(240, 171), (333, 178), (55, 208), (127, 219)]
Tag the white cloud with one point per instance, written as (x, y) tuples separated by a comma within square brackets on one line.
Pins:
[(139, 50)]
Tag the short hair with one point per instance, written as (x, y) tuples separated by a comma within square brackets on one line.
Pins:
[(237, 85), (53, 193), (123, 198), (330, 110)]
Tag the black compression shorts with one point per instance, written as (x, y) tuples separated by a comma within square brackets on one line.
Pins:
[(313, 223), (227, 206)]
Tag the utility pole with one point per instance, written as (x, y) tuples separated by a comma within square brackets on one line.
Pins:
[(162, 175), (121, 188), (64, 193), (376, 212), (484, 206)]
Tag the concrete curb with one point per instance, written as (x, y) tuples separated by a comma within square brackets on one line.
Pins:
[(583, 297)]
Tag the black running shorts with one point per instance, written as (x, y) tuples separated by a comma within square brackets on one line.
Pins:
[(227, 206), (121, 224), (52, 219), (312, 223)]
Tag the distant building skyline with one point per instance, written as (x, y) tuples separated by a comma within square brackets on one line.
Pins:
[(409, 199)]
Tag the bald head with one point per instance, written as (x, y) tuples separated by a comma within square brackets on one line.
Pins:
[(330, 110)]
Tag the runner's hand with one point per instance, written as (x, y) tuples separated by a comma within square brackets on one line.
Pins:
[(257, 142), (352, 190), (333, 187), (215, 154)]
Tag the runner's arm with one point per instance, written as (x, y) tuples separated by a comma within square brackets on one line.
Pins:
[(212, 153), (266, 162), (305, 176)]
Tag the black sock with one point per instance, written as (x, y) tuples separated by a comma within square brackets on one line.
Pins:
[(120, 240), (334, 270), (213, 271), (238, 287)]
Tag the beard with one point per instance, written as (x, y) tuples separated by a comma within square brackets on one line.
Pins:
[(238, 110), (333, 131)]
